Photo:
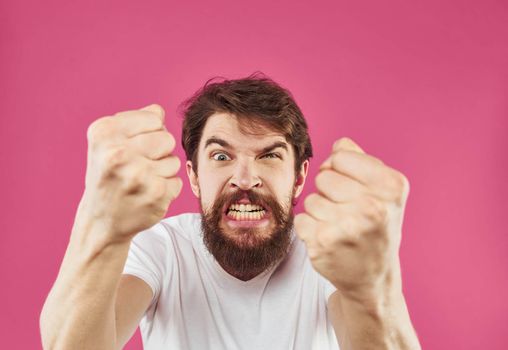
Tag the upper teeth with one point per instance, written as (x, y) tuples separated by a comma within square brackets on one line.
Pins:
[(245, 207)]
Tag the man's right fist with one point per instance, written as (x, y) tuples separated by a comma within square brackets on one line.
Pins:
[(130, 177)]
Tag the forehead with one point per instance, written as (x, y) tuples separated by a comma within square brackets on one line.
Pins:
[(227, 126)]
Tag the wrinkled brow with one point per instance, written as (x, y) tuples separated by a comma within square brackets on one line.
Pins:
[(225, 144)]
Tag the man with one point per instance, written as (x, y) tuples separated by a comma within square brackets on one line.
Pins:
[(236, 276)]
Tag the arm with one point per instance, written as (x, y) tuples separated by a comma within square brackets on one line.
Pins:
[(352, 229), (130, 181), (380, 322), (90, 305)]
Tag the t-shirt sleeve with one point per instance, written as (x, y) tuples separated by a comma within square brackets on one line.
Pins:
[(328, 287), (148, 258)]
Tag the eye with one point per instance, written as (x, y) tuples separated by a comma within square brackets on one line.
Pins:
[(271, 155), (220, 157)]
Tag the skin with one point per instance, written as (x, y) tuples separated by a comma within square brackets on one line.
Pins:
[(352, 239), (352, 227), (130, 182), (243, 165), (130, 179)]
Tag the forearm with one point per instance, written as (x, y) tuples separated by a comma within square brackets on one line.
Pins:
[(379, 321), (79, 312), (378, 326)]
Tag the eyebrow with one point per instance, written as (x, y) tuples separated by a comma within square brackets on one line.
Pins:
[(225, 144)]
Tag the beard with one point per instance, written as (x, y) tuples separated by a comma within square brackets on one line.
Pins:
[(248, 251)]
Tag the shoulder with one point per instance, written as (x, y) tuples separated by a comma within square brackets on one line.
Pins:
[(183, 225), (170, 235), (177, 227)]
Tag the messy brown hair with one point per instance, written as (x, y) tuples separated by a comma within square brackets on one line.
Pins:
[(254, 100)]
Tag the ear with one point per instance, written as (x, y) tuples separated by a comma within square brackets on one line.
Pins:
[(300, 179), (193, 178)]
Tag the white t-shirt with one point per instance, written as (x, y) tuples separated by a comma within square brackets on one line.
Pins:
[(197, 305)]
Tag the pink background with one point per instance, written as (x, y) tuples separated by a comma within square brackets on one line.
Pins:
[(421, 85)]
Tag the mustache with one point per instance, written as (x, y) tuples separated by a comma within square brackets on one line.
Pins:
[(245, 254), (266, 201)]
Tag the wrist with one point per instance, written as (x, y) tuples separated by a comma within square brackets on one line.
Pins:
[(384, 310), (93, 231), (386, 287)]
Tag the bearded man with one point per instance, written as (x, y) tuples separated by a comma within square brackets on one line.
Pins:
[(245, 273)]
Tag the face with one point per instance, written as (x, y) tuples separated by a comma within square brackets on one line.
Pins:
[(246, 184)]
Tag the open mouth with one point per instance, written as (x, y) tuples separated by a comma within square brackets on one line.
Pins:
[(246, 212)]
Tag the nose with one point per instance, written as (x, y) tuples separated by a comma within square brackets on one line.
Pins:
[(244, 175)]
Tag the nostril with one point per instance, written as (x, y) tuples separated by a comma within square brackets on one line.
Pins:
[(245, 182)]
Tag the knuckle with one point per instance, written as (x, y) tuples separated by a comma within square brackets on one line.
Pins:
[(170, 140), (313, 253), (157, 190), (98, 128), (328, 241), (405, 184), (350, 240), (157, 109), (400, 187), (337, 144), (348, 230), (400, 180), (337, 157), (174, 187), (309, 202), (156, 206), (168, 166), (134, 180), (176, 163), (323, 179), (115, 157), (340, 160), (157, 120), (375, 210), (319, 179), (121, 114), (160, 210)]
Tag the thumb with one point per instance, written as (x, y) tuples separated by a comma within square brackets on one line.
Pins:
[(155, 108)]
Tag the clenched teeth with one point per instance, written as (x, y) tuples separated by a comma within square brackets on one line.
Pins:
[(244, 212), (246, 215), (245, 207)]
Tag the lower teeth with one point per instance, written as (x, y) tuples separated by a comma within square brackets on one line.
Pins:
[(245, 216)]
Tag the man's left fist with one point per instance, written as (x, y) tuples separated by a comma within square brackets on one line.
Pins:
[(352, 226)]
